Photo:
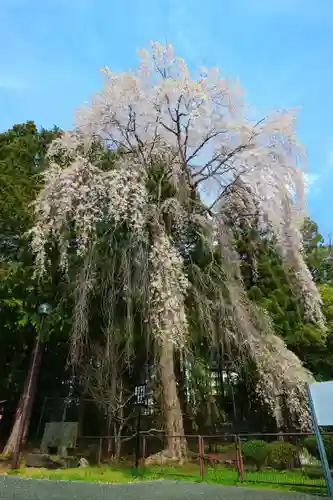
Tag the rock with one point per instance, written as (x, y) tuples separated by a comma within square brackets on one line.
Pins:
[(50, 462), (70, 462), (42, 460), (83, 462), (163, 458)]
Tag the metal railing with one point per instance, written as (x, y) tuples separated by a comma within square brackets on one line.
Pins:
[(285, 459)]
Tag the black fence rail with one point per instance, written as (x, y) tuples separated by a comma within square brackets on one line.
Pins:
[(285, 459)]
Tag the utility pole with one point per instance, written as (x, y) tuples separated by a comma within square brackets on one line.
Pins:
[(44, 310)]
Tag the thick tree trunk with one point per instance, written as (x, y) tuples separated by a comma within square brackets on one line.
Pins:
[(8, 449), (167, 266), (31, 397), (117, 443), (25, 403), (176, 443)]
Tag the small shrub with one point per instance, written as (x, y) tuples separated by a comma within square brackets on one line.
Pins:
[(282, 455), (310, 443), (313, 472), (255, 452)]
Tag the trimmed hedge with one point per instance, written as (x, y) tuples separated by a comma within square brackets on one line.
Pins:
[(282, 455), (278, 454), (255, 452)]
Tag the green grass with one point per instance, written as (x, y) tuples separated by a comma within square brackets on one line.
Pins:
[(91, 474), (293, 480), (271, 479)]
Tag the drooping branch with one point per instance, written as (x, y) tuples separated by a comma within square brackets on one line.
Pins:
[(197, 129), (282, 377)]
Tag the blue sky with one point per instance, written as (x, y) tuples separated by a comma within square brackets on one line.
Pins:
[(51, 52)]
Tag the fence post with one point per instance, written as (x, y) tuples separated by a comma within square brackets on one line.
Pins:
[(99, 457), (144, 447), (138, 439), (201, 450)]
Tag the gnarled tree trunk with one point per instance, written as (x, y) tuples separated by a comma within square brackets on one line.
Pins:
[(28, 396), (176, 443)]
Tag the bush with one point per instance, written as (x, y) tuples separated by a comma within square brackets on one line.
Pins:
[(282, 455), (310, 443), (255, 452), (313, 472)]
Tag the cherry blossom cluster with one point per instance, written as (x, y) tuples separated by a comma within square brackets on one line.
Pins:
[(168, 290), (77, 199)]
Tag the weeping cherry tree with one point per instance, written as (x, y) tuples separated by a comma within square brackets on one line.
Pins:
[(198, 129)]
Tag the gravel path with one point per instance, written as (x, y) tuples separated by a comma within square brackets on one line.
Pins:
[(12, 488)]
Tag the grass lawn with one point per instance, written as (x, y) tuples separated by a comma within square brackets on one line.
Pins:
[(91, 474), (271, 479), (287, 480)]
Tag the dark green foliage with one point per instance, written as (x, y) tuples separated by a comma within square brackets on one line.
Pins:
[(255, 452), (271, 286), (280, 300), (310, 443), (281, 455), (22, 159), (318, 254)]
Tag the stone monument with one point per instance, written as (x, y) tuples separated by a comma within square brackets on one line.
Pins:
[(59, 436)]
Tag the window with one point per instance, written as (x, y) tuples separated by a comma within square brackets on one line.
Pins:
[(142, 397), (140, 393), (214, 383)]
